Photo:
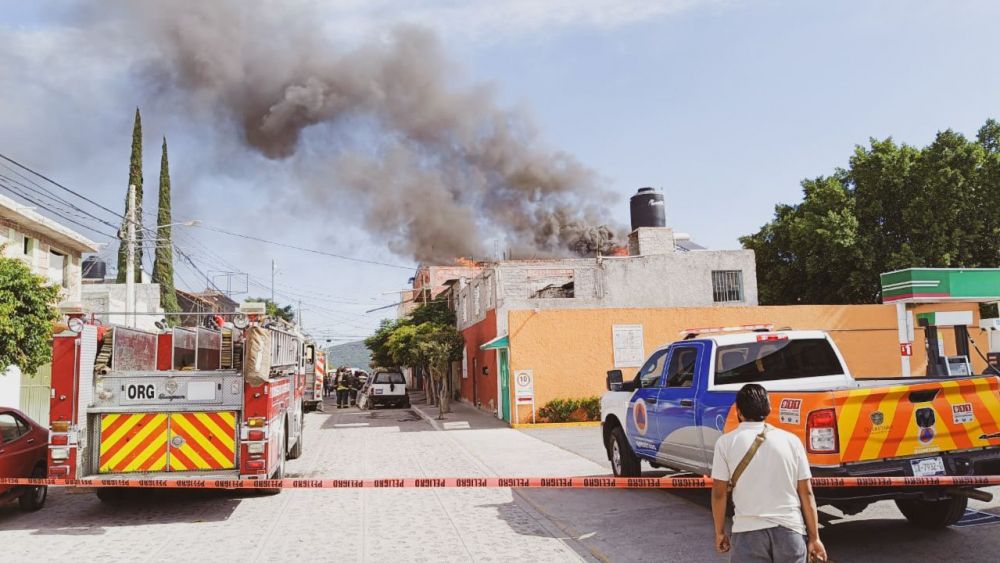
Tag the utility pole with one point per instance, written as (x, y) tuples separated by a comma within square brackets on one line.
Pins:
[(300, 314), (272, 284), (130, 259)]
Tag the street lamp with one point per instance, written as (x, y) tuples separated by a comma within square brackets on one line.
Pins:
[(191, 223)]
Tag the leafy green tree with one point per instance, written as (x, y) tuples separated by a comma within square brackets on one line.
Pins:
[(134, 179), (272, 310), (26, 315), (894, 207), (426, 340), (378, 343), (163, 264)]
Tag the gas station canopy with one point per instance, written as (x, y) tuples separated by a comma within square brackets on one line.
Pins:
[(939, 285)]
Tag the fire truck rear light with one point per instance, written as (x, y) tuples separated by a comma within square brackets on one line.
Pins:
[(59, 471), (255, 435), (255, 465), (255, 448), (821, 427), (59, 440), (255, 422), (60, 426), (59, 454)]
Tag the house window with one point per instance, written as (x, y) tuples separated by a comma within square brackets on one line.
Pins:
[(545, 284), (475, 299), (727, 286), (57, 268), (28, 245)]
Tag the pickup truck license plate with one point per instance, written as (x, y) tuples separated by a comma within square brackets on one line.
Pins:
[(377, 391), (927, 467)]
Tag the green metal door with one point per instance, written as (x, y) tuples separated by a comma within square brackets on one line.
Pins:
[(504, 383)]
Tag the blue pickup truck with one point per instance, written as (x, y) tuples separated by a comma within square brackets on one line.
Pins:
[(681, 400)]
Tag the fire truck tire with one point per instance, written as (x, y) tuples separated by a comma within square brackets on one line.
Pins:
[(296, 451), (111, 495), (933, 514), (34, 498), (279, 473)]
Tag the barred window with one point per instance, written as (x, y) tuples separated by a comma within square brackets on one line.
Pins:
[(727, 286)]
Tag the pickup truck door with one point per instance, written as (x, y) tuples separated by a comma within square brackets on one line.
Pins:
[(640, 420), (677, 420)]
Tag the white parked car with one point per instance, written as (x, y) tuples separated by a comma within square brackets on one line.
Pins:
[(384, 388)]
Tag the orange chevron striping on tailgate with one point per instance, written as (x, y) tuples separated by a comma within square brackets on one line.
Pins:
[(133, 442), (202, 441)]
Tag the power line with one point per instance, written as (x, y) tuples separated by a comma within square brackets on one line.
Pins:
[(303, 249), (57, 184), (61, 215)]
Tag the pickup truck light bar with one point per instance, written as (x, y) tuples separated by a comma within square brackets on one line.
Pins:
[(720, 329)]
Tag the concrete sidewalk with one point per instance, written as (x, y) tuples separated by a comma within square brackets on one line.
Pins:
[(462, 417)]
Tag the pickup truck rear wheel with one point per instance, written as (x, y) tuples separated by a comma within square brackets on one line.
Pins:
[(624, 462), (933, 514)]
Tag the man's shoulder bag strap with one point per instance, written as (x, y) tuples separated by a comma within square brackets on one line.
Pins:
[(742, 466)]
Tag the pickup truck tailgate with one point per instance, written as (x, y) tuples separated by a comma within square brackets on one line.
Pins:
[(900, 420)]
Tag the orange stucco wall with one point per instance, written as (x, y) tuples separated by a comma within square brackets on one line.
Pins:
[(479, 388), (570, 350)]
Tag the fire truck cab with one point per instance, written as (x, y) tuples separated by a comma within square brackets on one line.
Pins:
[(181, 403)]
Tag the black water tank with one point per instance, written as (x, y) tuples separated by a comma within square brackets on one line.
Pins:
[(94, 268), (647, 209)]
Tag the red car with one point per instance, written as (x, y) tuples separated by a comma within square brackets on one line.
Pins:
[(23, 449)]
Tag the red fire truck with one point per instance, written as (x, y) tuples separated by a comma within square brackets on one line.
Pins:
[(315, 369), (181, 403)]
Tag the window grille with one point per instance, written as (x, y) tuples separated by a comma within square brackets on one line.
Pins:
[(727, 286)]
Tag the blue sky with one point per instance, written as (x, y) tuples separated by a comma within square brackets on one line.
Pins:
[(726, 105)]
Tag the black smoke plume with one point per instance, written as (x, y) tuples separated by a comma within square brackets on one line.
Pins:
[(440, 168)]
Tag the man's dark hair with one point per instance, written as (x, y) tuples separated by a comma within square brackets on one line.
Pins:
[(751, 400)]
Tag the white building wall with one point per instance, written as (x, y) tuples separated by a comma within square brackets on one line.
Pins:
[(676, 279), (103, 298), (37, 257)]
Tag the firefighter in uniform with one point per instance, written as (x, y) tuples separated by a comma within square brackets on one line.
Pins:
[(343, 388), (355, 383)]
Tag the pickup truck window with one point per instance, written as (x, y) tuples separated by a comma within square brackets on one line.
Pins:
[(649, 374), (681, 370), (753, 362)]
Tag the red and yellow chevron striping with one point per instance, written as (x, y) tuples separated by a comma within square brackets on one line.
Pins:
[(147, 442), (133, 442), (202, 441)]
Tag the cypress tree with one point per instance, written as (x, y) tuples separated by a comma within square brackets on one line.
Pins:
[(134, 178), (163, 264)]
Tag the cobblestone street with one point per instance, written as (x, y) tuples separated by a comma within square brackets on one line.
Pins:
[(333, 525), (435, 525)]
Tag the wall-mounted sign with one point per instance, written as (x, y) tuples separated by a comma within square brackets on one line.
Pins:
[(628, 346)]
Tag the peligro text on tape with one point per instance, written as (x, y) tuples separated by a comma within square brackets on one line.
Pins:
[(490, 482)]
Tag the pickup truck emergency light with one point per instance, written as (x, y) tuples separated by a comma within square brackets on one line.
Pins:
[(821, 428), (721, 329)]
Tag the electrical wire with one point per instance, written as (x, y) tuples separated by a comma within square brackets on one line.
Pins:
[(57, 184), (304, 249)]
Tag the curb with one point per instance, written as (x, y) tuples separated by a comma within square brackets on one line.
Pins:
[(528, 426), (432, 420)]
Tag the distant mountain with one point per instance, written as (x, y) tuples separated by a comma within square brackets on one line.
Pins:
[(351, 354)]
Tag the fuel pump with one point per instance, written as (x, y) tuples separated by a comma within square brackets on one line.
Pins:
[(992, 329), (938, 364)]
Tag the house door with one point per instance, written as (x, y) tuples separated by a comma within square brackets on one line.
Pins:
[(504, 383)]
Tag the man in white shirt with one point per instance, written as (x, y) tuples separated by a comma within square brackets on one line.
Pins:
[(775, 517)]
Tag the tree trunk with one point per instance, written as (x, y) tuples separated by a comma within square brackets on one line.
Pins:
[(429, 388), (445, 399)]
